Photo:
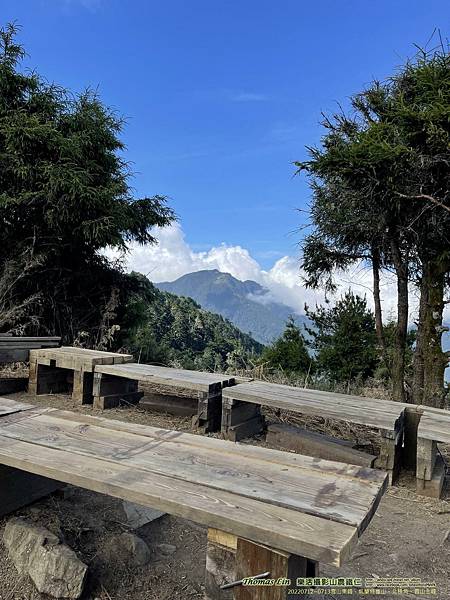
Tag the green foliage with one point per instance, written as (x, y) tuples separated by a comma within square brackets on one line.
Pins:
[(389, 330), (64, 197), (172, 330), (288, 353), (244, 303), (343, 339), (380, 182)]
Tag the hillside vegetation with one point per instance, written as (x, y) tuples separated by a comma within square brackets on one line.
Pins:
[(247, 304), (169, 329)]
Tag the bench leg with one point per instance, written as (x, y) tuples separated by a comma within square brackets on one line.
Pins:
[(241, 419), (220, 564), (426, 458), (47, 379), (82, 391), (390, 456), (430, 471), (110, 391), (209, 411), (19, 488), (230, 558), (409, 457)]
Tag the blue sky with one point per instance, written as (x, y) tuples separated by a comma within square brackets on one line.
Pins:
[(221, 96)]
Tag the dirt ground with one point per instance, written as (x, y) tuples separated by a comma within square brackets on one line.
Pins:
[(408, 537)]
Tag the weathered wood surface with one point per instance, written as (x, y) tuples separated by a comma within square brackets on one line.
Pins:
[(316, 444), (77, 359), (8, 407), (435, 426), (298, 504), (381, 414), (181, 378), (252, 559)]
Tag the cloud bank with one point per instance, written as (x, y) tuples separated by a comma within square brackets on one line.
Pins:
[(172, 257)]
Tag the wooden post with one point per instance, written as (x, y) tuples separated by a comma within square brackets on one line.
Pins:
[(82, 391), (109, 391), (240, 419), (19, 488), (430, 471), (47, 379), (412, 420), (32, 378), (220, 564), (230, 558), (426, 458), (390, 454), (209, 411)]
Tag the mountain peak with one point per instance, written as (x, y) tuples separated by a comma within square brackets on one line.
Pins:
[(235, 300)]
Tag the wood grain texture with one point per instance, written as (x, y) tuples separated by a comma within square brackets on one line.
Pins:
[(297, 504), (381, 414), (435, 426), (192, 380), (77, 359), (8, 407)]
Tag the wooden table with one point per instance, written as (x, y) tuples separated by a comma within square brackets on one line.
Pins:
[(55, 370), (241, 413), (110, 381), (262, 507)]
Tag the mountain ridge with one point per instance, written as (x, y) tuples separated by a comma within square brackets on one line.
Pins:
[(262, 318)]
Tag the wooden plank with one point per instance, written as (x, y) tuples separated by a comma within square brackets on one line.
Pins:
[(435, 427), (172, 405), (288, 529), (193, 380), (8, 407), (328, 398), (318, 493), (316, 444), (7, 338), (115, 400), (77, 359), (10, 356), (242, 452), (223, 538), (383, 415)]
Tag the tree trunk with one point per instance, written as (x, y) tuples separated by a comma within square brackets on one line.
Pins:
[(429, 360), (377, 302), (398, 361), (418, 368)]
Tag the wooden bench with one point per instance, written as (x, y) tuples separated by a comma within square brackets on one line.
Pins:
[(59, 369), (241, 414), (265, 509), (110, 381), (17, 349), (434, 427)]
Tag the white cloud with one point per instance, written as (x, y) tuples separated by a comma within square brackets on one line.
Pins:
[(173, 257)]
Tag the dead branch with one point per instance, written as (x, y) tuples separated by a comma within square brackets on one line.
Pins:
[(431, 199)]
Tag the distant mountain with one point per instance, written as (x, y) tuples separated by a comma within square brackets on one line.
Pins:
[(244, 303)]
